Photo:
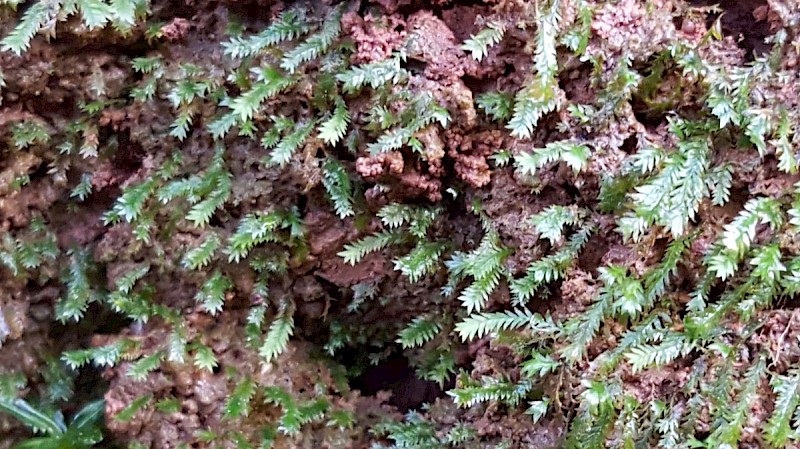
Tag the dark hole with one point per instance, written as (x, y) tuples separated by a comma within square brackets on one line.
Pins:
[(302, 204), (790, 303), (398, 376), (476, 85), (406, 8), (415, 66), (216, 221), (590, 258), (629, 145), (659, 248), (304, 107), (738, 22), (575, 193), (41, 171), (677, 21), (88, 384), (739, 195), (129, 154), (172, 10), (97, 320), (135, 49)]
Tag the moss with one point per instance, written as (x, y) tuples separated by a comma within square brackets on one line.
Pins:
[(577, 218)]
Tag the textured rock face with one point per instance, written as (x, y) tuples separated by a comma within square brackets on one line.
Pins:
[(224, 238)]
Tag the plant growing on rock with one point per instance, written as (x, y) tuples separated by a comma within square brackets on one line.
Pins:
[(83, 431), (580, 223)]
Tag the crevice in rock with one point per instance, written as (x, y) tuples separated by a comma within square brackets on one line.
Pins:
[(396, 375), (739, 22)]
